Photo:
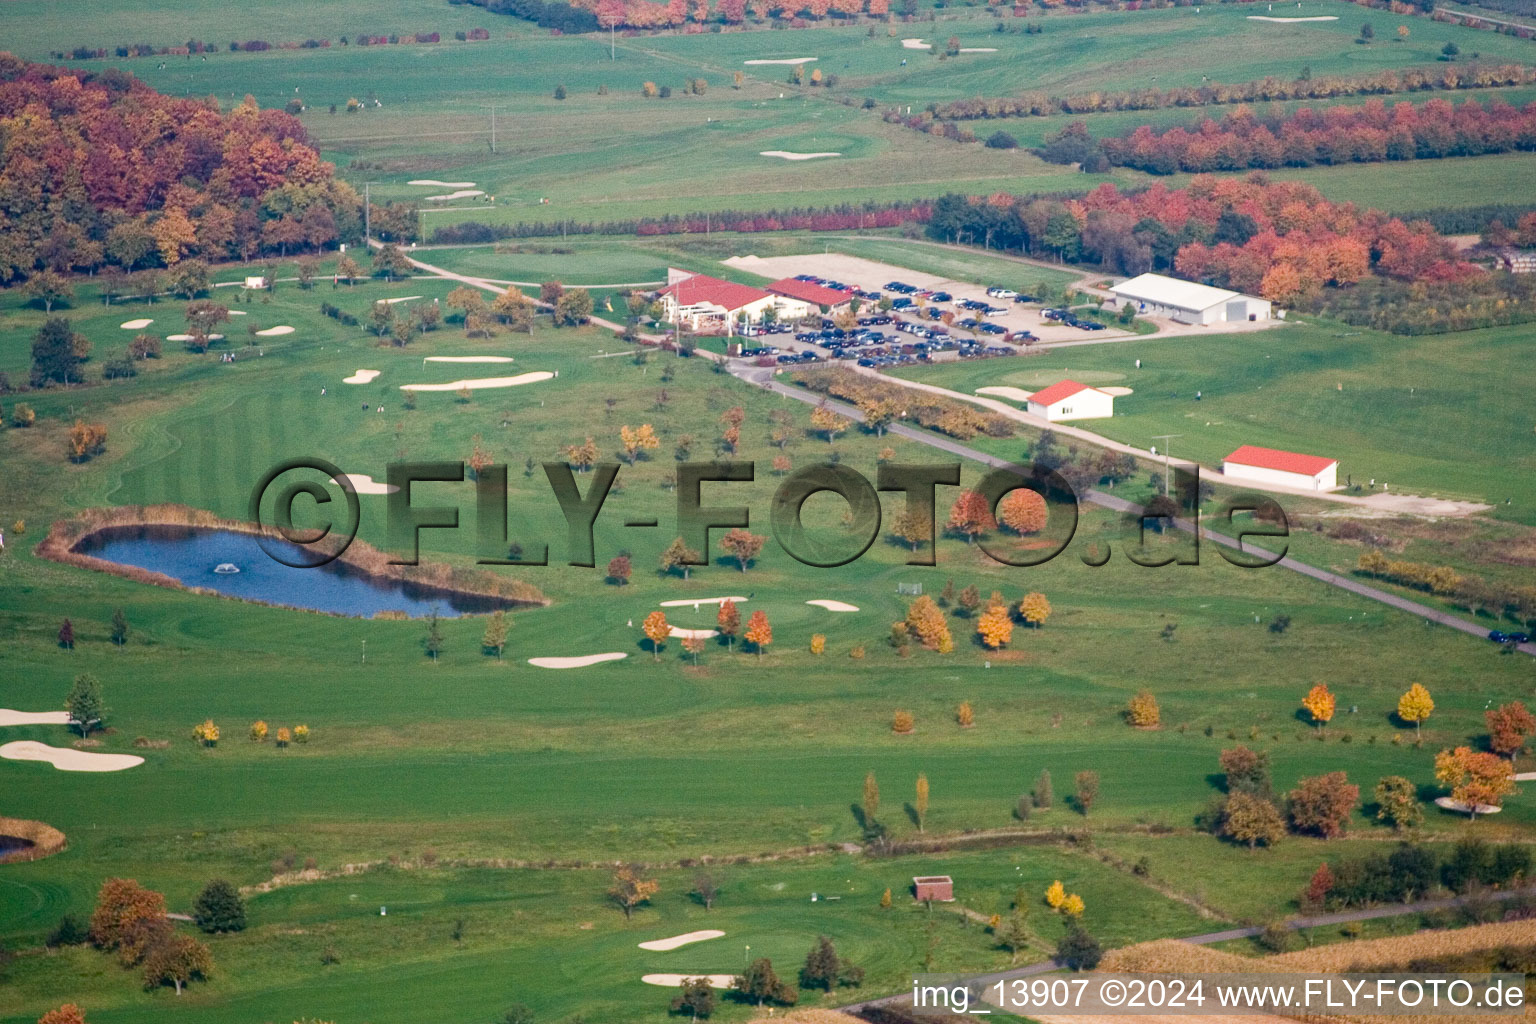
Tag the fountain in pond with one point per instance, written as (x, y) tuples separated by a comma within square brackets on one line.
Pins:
[(225, 568)]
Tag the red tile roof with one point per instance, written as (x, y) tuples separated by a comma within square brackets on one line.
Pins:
[(1056, 392), (703, 288), (1286, 462), (809, 291)]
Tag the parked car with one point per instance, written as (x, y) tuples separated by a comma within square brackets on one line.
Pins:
[(1518, 638), (1498, 636), (1025, 298), (1002, 293), (941, 297)]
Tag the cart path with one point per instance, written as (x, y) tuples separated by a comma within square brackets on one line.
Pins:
[(764, 378)]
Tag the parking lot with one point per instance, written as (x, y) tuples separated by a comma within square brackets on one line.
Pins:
[(872, 276)]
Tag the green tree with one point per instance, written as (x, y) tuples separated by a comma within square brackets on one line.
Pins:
[(826, 970), (697, 999), (434, 638), (219, 908), (1012, 932), (85, 706), (679, 556), (760, 984), (55, 356), (177, 959), (1397, 803), (189, 278), (47, 287), (495, 638), (573, 308), (871, 800)]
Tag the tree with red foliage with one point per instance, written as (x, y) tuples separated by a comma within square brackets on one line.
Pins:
[(1321, 805)]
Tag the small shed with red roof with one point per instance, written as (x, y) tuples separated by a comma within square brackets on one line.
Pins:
[(1069, 400), (1282, 468)]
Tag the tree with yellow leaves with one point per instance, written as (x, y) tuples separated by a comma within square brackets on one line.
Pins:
[(1055, 895), (818, 643), (1072, 906), (902, 723), (927, 623), (995, 626), (637, 440), (759, 633), (207, 734), (1476, 778), (1034, 609), (258, 731), (631, 888), (1415, 706), (920, 800), (964, 715), (828, 422), (1320, 704), (1143, 711), (656, 631)]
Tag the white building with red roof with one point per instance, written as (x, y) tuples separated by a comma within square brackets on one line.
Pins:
[(1282, 469), (829, 299), (1069, 400), (703, 302)]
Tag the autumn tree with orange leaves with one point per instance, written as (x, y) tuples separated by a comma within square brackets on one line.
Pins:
[(1319, 703), (728, 622), (1023, 511), (1508, 727), (656, 631), (759, 633), (970, 516), (743, 546), (995, 626), (927, 623), (1476, 779)]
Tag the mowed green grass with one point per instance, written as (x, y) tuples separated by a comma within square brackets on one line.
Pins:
[(646, 758), (1387, 407), (615, 155), (391, 965)]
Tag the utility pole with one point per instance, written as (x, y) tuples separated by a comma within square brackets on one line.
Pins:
[(1167, 456), (493, 127), (367, 214)]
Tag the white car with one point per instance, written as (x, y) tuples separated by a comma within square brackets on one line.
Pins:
[(1002, 293)]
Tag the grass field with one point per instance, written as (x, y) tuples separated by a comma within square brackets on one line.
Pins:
[(483, 801), (472, 758), (1386, 405), (634, 157)]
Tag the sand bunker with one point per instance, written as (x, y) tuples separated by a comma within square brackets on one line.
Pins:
[(913, 44), (834, 606), (441, 184), (188, 337), (403, 298), (468, 359), (1003, 391), (1321, 17), (362, 483), (135, 325), (702, 600), (786, 60), (581, 662), (237, 312), (676, 980), (273, 332), (1443, 802), (9, 717), (675, 941), (68, 760), (1116, 390), (463, 193), (477, 383), (690, 634), (361, 377), (784, 154)]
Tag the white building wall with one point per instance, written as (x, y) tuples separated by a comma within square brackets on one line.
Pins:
[(1326, 480), (1085, 405)]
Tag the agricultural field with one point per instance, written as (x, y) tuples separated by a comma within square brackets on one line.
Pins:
[(423, 818)]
